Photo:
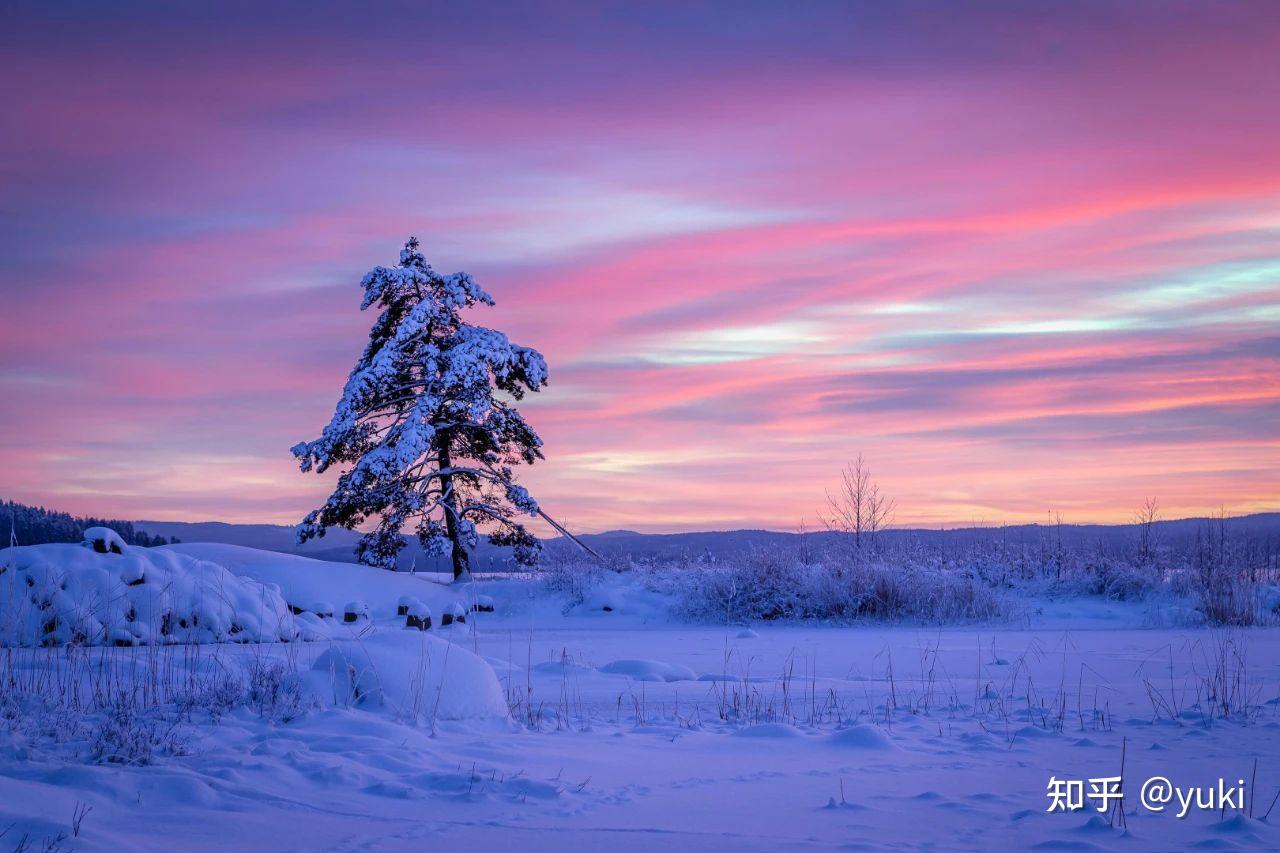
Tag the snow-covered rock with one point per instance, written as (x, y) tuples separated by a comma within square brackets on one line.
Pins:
[(454, 613), (417, 615), (103, 540), (413, 676), (59, 593)]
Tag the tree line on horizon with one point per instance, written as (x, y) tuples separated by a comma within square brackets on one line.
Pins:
[(36, 525)]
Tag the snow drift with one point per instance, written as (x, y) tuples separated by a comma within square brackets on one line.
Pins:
[(414, 676), (306, 583), (103, 591)]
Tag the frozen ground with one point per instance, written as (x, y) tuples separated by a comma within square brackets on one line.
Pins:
[(630, 731)]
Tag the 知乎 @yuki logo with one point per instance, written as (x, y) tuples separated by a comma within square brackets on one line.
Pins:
[(1157, 794)]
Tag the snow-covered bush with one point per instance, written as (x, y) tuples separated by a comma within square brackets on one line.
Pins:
[(1215, 575), (1118, 580), (771, 583), (57, 593)]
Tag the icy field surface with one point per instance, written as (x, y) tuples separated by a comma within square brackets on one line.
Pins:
[(626, 764), (628, 731)]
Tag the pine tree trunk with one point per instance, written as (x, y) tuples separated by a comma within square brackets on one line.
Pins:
[(450, 501)]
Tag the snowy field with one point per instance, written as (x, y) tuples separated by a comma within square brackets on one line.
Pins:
[(547, 726)]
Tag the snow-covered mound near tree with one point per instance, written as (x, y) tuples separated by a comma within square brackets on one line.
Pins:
[(105, 592), (413, 676), (304, 582)]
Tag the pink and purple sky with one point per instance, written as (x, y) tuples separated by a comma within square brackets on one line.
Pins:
[(1024, 257)]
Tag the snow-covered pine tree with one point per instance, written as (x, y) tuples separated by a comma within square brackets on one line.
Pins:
[(432, 444)]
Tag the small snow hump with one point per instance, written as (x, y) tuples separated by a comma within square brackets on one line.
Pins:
[(862, 736), (649, 670)]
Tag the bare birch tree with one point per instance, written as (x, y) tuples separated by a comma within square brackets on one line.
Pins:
[(858, 507), (1145, 518)]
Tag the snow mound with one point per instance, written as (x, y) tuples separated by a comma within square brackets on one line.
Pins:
[(304, 581), (560, 668), (649, 670), (105, 592), (861, 736), (619, 595), (413, 676), (769, 730)]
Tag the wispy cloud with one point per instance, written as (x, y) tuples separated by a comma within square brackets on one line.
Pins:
[(1023, 260)]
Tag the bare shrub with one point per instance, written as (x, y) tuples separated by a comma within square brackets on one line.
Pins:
[(126, 734), (1224, 580), (275, 691), (858, 507), (136, 705), (576, 577), (215, 696)]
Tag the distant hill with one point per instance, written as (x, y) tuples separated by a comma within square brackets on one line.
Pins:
[(339, 545), (267, 537)]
